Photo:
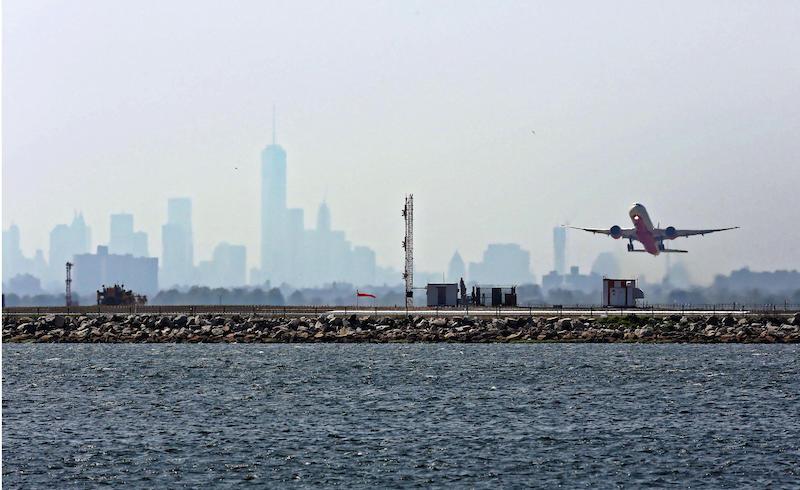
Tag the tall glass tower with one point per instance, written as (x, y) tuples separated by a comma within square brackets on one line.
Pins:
[(177, 258), (273, 210), (559, 249)]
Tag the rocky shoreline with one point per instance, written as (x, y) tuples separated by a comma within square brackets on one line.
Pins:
[(352, 329)]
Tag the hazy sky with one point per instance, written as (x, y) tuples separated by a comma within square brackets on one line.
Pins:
[(692, 108)]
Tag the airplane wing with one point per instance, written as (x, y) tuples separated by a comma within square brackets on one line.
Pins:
[(676, 233), (624, 232)]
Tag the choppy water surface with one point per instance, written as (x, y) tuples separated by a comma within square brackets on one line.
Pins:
[(401, 415)]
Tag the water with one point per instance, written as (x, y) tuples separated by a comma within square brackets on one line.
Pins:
[(429, 415)]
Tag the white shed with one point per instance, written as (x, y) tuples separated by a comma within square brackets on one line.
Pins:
[(621, 293)]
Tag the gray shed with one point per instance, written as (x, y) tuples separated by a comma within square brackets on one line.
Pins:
[(442, 294)]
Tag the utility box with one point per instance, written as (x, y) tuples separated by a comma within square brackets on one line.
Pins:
[(494, 296), (442, 294), (621, 293)]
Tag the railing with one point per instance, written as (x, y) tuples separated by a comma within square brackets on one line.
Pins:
[(469, 310)]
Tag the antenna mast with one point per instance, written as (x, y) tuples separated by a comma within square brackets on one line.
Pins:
[(408, 246), (68, 294)]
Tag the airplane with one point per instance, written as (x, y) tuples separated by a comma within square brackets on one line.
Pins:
[(652, 238)]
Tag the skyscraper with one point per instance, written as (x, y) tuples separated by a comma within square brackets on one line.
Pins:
[(324, 217), (290, 253), (123, 239), (178, 249), (456, 269), (66, 241), (226, 269), (560, 249), (293, 243), (231, 262), (13, 261), (273, 212), (503, 264)]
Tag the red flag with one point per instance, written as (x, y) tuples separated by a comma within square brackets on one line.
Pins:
[(363, 295)]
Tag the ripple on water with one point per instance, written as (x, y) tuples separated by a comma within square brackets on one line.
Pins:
[(400, 415)]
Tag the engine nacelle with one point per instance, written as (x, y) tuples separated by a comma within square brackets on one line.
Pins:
[(670, 232), (615, 232)]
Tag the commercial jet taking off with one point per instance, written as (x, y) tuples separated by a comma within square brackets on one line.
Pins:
[(643, 231)]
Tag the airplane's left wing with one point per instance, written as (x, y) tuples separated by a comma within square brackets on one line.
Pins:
[(671, 232), (614, 231)]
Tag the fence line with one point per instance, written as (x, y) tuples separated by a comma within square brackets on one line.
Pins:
[(468, 310)]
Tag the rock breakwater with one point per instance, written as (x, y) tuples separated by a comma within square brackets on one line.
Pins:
[(329, 328)]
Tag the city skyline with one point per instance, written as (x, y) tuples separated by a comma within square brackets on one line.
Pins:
[(182, 268), (696, 123)]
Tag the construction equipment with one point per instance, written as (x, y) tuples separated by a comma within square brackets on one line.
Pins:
[(408, 246), (117, 295)]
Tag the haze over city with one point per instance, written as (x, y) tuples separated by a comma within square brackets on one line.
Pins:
[(400, 244), (503, 122)]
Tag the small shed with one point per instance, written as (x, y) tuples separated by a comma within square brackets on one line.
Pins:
[(442, 294), (621, 293)]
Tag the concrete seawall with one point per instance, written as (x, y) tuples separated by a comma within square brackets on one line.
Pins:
[(331, 328)]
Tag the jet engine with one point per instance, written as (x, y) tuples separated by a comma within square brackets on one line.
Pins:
[(615, 232), (670, 232)]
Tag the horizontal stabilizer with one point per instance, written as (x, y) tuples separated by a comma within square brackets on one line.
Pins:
[(674, 251), (638, 250)]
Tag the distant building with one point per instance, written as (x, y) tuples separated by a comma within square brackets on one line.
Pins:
[(503, 264), (291, 254), (226, 269), (274, 240), (65, 242), (575, 281), (559, 249), (606, 264), (552, 280), (293, 268), (123, 240), (13, 261), (177, 242), (456, 270), (363, 264), (91, 271), (677, 275), (768, 281), (39, 265), (24, 285), (231, 262)]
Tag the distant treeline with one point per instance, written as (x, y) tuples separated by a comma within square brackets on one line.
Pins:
[(335, 294), (743, 287), (527, 295)]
